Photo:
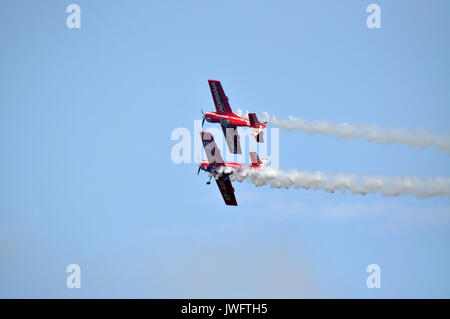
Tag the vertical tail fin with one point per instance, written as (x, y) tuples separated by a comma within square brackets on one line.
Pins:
[(253, 120), (256, 162), (255, 158), (256, 124)]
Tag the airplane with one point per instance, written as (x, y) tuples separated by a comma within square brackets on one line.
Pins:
[(230, 121), (215, 161)]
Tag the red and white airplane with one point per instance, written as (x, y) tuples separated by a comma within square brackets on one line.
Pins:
[(230, 121), (215, 161)]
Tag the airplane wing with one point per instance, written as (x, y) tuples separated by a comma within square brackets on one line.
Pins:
[(219, 97), (233, 140), (223, 182), (227, 190), (211, 149)]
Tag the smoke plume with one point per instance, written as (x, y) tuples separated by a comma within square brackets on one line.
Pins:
[(371, 133), (356, 184)]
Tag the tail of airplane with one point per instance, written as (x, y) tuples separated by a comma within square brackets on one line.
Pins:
[(255, 124), (253, 120), (256, 161)]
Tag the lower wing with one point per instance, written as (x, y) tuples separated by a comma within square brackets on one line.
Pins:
[(227, 190)]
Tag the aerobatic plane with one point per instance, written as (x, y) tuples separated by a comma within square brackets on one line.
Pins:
[(230, 121), (215, 161)]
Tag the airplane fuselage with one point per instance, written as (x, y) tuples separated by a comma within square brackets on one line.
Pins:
[(212, 168), (232, 120)]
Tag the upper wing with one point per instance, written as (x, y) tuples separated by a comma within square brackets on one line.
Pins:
[(211, 149), (219, 97), (233, 139), (227, 190)]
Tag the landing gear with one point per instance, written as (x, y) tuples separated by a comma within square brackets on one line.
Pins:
[(209, 182)]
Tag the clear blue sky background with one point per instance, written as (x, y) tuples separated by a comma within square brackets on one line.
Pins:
[(86, 175)]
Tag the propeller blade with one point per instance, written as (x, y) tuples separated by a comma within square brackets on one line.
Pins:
[(203, 121), (199, 168)]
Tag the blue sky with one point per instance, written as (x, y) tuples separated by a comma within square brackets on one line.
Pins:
[(86, 175)]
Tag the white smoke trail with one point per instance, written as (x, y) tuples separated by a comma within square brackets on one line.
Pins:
[(371, 133), (356, 184)]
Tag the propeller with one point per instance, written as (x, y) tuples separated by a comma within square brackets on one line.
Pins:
[(200, 168), (203, 116), (199, 164)]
